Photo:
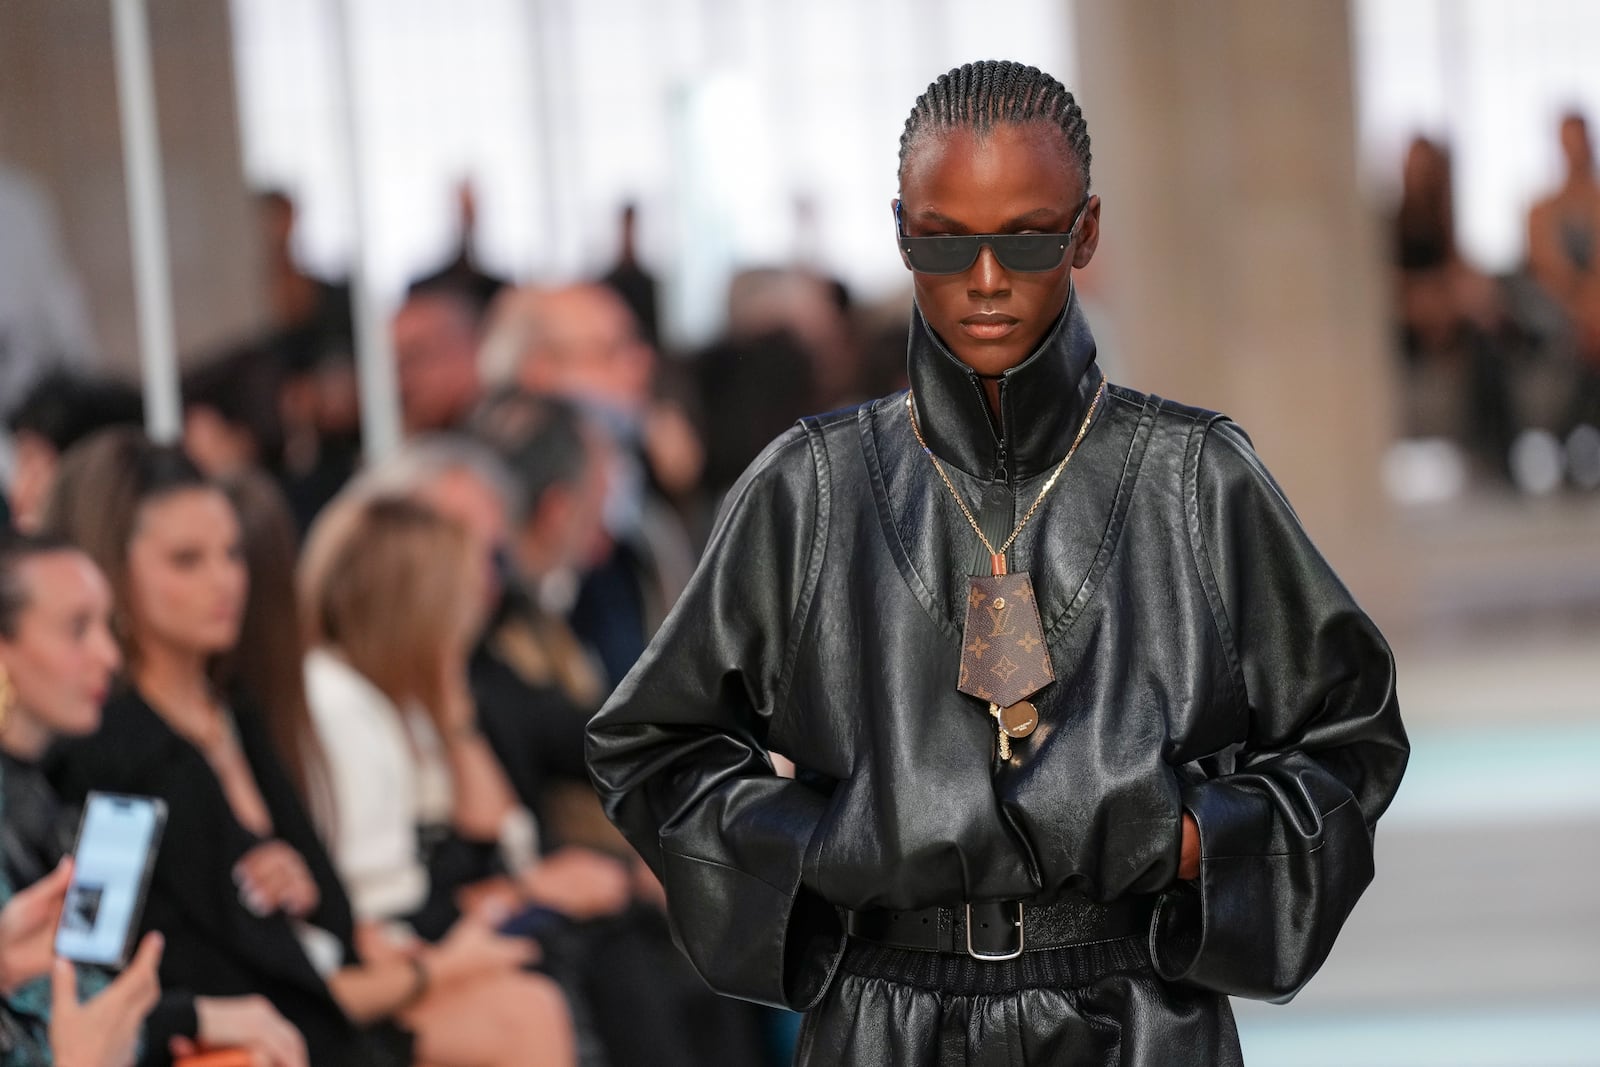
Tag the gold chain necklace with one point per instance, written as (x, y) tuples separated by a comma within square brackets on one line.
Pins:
[(997, 555), (1004, 656)]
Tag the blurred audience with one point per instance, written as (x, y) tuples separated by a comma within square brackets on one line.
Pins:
[(636, 285), (312, 340), (57, 660), (250, 903), (1564, 258), (475, 1006), (60, 410), (463, 273), (436, 334), (1453, 318), (231, 416), (582, 343)]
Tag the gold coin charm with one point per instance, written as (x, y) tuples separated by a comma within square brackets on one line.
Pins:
[(1019, 720)]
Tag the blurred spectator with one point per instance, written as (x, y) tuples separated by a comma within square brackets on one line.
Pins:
[(473, 985), (57, 659), (231, 416), (636, 285), (310, 318), (1455, 331), (533, 682), (1564, 258), (812, 309), (759, 386), (463, 272), (436, 336), (582, 343), (60, 410), (43, 322), (248, 902), (312, 336), (397, 595)]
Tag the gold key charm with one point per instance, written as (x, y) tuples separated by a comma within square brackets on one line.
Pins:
[(1005, 739)]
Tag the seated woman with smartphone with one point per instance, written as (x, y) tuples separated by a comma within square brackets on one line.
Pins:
[(250, 901), (57, 658)]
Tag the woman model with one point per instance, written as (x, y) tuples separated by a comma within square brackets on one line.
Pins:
[(1088, 735)]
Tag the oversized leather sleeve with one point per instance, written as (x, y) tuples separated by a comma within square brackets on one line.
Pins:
[(679, 752), (1286, 816)]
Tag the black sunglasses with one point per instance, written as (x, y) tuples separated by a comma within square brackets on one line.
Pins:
[(1026, 252)]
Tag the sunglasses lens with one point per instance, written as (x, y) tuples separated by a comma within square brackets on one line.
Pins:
[(941, 255), (1030, 251)]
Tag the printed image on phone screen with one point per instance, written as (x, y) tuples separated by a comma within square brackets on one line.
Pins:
[(111, 864)]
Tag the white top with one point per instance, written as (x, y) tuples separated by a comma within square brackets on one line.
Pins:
[(388, 776)]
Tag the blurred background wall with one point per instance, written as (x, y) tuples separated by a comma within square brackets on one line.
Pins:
[(59, 127)]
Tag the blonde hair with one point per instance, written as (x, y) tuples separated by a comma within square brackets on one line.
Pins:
[(381, 583)]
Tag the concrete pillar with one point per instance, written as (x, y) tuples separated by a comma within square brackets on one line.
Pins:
[(1239, 264), (59, 123)]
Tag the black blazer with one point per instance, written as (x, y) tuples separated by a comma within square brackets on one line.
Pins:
[(214, 945)]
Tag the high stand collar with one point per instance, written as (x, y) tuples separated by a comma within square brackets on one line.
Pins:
[(1043, 400)]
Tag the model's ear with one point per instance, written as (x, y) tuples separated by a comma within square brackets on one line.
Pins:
[(899, 229), (1088, 235)]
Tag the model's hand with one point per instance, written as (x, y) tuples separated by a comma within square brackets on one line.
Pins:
[(248, 1023), (1189, 854), (272, 877), (28, 928), (105, 1031)]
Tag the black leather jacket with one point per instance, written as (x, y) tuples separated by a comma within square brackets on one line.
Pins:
[(1206, 659)]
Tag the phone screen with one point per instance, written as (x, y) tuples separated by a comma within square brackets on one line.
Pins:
[(111, 868)]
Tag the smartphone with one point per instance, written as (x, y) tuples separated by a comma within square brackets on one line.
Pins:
[(112, 864)]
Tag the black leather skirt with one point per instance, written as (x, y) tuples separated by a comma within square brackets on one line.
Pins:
[(1097, 1004)]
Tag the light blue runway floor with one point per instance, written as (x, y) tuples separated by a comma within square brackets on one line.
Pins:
[(1479, 943)]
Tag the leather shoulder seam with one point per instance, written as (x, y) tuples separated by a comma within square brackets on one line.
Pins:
[(1199, 433), (821, 510)]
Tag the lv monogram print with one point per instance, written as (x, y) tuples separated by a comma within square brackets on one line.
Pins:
[(1004, 659)]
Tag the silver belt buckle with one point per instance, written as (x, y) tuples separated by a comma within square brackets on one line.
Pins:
[(997, 957)]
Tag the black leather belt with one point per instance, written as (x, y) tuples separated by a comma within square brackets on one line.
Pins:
[(998, 930)]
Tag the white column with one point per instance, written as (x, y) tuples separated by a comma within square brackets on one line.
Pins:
[(147, 220), (380, 398)]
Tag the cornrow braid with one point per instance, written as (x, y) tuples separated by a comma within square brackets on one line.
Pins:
[(980, 96)]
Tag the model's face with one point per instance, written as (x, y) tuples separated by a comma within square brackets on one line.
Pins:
[(186, 573), (1013, 179), (62, 655)]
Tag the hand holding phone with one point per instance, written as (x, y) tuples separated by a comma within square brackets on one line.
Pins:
[(105, 1031), (112, 863), (28, 928)]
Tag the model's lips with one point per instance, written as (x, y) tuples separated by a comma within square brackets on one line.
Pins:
[(988, 325)]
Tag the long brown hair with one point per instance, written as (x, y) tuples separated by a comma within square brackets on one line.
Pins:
[(101, 485), (382, 582), (268, 661)]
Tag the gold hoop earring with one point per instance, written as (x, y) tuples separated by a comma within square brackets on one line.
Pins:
[(8, 697)]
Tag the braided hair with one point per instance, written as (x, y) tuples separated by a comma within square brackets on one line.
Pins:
[(980, 96)]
